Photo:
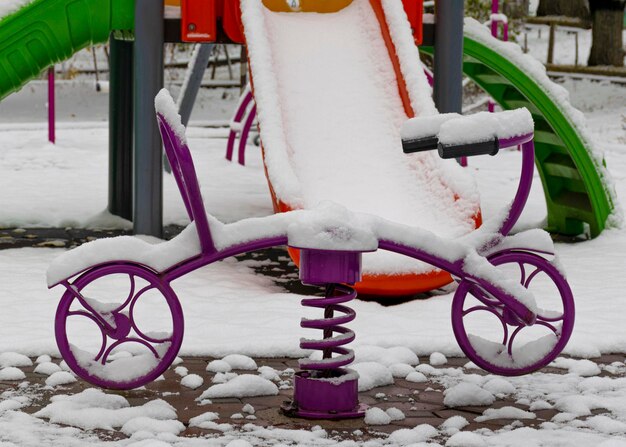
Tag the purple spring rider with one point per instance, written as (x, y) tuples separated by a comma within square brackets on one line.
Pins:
[(120, 325)]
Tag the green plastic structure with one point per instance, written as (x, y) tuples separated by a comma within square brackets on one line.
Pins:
[(574, 189), (49, 31)]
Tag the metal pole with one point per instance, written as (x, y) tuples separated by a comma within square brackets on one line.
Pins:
[(448, 88), (148, 181), (51, 107), (121, 128), (193, 80), (448, 64)]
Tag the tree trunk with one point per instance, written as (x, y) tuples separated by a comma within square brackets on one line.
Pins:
[(569, 8), (516, 9), (607, 47)]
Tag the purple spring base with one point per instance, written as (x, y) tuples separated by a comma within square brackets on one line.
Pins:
[(336, 397), (329, 266)]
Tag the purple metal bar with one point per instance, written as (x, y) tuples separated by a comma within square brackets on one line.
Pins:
[(243, 140), (182, 166), (51, 107), (239, 116), (525, 183), (495, 8)]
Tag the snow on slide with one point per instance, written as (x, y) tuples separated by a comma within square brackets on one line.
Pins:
[(330, 113)]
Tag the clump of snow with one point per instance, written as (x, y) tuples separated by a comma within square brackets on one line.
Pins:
[(181, 371), (453, 425), (395, 414), (47, 368), (385, 356), (236, 416), (333, 227), (60, 378), (401, 370), (421, 433), (93, 409), (165, 106), (507, 412), (416, 377), (12, 374), (223, 377), (239, 443), (248, 409), (376, 416), (152, 426), (269, 373), (209, 416), (238, 361), (437, 359), (192, 381), (14, 359), (372, 375), (580, 367), (218, 366), (485, 126), (43, 359), (245, 385), (498, 385), (466, 394), (466, 439)]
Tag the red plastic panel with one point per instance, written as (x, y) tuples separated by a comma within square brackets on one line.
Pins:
[(415, 10), (199, 21), (231, 20)]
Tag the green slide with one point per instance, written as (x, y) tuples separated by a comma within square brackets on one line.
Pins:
[(49, 31), (573, 180)]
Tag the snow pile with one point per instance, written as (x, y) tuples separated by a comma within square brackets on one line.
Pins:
[(192, 381), (14, 359), (385, 356), (152, 426), (60, 378), (93, 409), (467, 394), (218, 366), (372, 375), (11, 373), (416, 377), (395, 414), (583, 367), (401, 370), (238, 361), (453, 425), (376, 416), (47, 368), (437, 359), (466, 439), (245, 385), (505, 413), (420, 434)]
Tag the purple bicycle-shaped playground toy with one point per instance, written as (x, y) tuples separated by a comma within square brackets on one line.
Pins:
[(512, 312)]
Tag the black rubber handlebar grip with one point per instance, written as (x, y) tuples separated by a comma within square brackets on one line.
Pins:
[(420, 145), (469, 150)]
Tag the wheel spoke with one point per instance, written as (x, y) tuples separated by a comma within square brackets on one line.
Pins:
[(522, 274), (532, 276), (505, 328), (131, 293), (128, 340), (513, 335), (81, 313), (134, 326), (549, 326)]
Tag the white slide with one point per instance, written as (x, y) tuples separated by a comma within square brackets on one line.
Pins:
[(330, 110)]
